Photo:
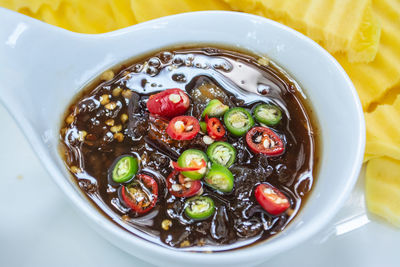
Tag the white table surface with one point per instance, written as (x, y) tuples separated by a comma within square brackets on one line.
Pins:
[(39, 226)]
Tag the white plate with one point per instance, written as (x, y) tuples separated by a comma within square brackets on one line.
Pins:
[(39, 227)]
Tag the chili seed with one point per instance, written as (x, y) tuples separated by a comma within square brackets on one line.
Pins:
[(109, 122), (117, 91), (82, 135), (70, 119), (127, 93), (174, 98), (124, 118), (268, 143), (119, 137), (111, 106), (208, 140), (104, 99), (75, 169), (185, 243), (116, 128), (107, 75), (179, 126), (187, 179), (176, 187), (166, 224)]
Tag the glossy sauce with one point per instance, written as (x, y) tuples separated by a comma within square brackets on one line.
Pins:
[(90, 146)]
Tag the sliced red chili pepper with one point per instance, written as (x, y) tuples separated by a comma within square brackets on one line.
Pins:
[(181, 186), (215, 129), (183, 128), (169, 103), (141, 195), (271, 199), (189, 169), (264, 140)]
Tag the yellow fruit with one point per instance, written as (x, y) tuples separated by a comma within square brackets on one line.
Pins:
[(122, 13), (375, 79), (383, 131), (368, 157), (150, 9), (349, 26), (382, 187), (88, 16), (31, 6), (366, 39)]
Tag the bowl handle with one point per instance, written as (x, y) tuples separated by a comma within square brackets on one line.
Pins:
[(42, 64)]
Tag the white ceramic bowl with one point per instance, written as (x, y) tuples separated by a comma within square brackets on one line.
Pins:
[(43, 67)]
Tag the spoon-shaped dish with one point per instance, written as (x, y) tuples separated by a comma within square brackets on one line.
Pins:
[(43, 67)]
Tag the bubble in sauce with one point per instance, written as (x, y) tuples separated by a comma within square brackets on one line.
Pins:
[(177, 61), (179, 77), (152, 71), (137, 68), (166, 57), (190, 57), (224, 66), (154, 62)]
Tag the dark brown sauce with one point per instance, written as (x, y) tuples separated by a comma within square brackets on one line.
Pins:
[(90, 147)]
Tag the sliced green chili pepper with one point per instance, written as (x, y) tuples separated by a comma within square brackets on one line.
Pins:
[(193, 158), (214, 108), (203, 126), (199, 208), (268, 114), (222, 153), (220, 178), (124, 169), (238, 121)]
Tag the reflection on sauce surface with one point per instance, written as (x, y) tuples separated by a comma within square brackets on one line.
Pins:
[(110, 119)]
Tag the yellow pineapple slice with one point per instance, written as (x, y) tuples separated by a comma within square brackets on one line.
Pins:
[(76, 15), (150, 9), (55, 17), (366, 40), (383, 131), (80, 16), (368, 157), (29, 6), (346, 26), (382, 188), (122, 13), (373, 80)]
